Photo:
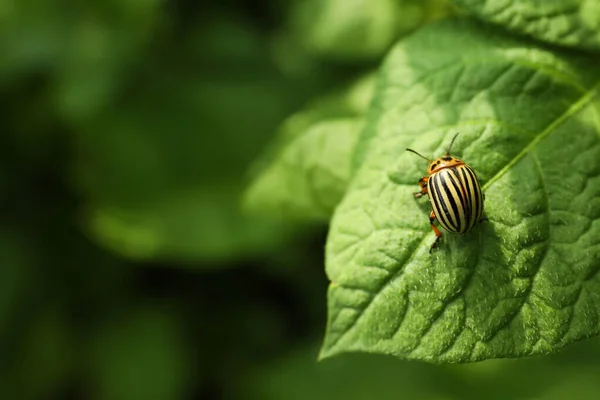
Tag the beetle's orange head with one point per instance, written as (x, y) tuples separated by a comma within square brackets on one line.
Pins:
[(443, 162)]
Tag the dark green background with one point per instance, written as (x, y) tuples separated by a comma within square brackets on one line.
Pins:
[(127, 269)]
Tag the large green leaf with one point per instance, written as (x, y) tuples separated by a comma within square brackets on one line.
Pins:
[(573, 23), (525, 282)]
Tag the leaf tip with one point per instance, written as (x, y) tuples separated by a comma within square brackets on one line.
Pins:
[(326, 352)]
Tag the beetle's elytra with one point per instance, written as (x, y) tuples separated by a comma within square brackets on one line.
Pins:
[(454, 193)]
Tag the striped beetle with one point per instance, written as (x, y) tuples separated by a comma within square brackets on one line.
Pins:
[(454, 193)]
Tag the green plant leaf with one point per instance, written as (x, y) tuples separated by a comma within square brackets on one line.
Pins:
[(573, 23), (305, 172), (525, 282), (309, 178)]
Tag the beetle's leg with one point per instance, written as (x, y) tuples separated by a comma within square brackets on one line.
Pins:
[(423, 184), (484, 218), (438, 234)]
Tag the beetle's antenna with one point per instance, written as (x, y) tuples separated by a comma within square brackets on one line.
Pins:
[(451, 143), (422, 156)]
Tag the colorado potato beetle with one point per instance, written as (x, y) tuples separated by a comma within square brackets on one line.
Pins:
[(454, 193)]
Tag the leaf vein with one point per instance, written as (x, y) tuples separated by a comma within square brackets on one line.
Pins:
[(391, 276), (576, 107)]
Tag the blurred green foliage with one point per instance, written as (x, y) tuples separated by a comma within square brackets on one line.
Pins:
[(300, 187), (360, 376), (128, 269)]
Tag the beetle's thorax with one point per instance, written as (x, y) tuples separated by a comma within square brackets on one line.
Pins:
[(443, 162)]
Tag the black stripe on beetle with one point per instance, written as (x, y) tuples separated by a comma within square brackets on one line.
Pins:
[(454, 193)]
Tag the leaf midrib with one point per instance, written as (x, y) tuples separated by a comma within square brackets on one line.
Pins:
[(575, 108)]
